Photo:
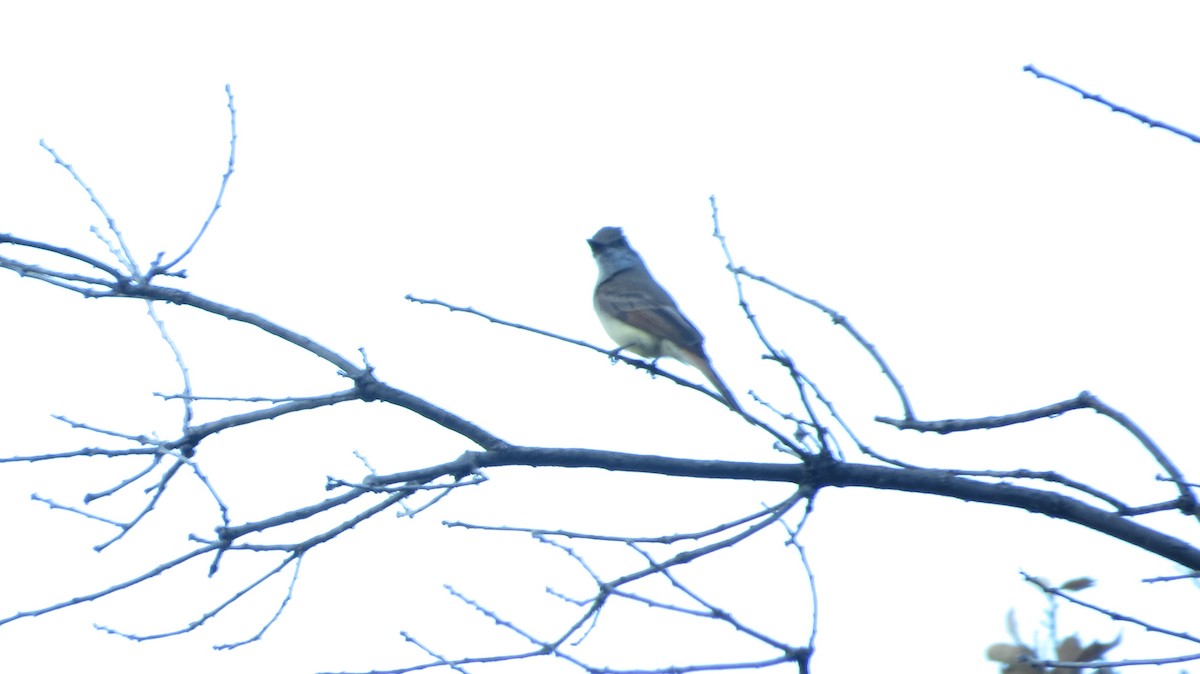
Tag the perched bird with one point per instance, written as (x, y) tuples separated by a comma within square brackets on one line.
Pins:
[(640, 315)]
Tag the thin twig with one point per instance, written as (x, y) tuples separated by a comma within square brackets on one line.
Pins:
[(673, 538), (1048, 589), (841, 321), (1152, 123), (220, 192), (124, 256), (640, 364)]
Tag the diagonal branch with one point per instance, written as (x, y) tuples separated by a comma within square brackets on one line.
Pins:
[(1152, 123)]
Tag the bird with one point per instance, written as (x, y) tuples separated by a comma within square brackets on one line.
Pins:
[(640, 315)]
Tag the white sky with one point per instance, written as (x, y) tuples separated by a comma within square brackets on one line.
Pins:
[(1003, 242)]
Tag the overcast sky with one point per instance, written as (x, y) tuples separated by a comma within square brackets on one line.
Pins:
[(1005, 244)]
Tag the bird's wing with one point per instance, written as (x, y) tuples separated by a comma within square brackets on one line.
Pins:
[(655, 314)]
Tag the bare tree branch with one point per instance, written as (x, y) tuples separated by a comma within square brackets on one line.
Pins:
[(812, 443), (159, 269), (1118, 617), (1085, 400), (1152, 123)]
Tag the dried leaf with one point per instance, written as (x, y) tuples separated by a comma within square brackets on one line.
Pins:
[(1008, 654), (1097, 649), (1077, 584), (1069, 649)]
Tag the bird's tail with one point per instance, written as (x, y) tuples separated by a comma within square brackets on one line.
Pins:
[(706, 367)]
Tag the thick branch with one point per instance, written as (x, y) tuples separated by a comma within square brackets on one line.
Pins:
[(833, 474)]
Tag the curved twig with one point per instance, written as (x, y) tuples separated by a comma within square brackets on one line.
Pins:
[(841, 321), (158, 269)]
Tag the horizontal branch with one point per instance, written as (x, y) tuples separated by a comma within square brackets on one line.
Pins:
[(948, 426), (829, 474)]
